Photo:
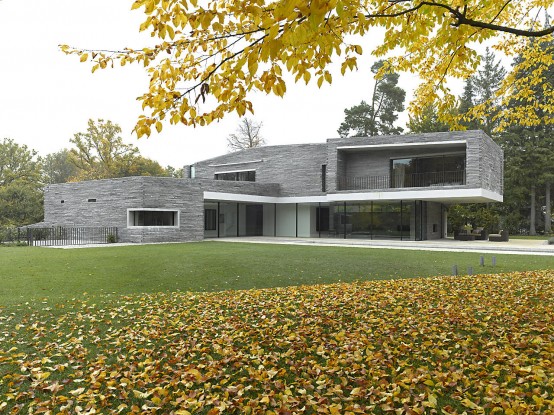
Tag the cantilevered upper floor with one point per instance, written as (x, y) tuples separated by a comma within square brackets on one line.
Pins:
[(449, 167)]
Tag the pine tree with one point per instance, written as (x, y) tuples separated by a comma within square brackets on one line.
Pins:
[(478, 103), (377, 118)]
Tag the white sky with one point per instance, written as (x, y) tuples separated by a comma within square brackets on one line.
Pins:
[(46, 96)]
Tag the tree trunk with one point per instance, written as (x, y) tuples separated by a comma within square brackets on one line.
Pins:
[(548, 213), (532, 230)]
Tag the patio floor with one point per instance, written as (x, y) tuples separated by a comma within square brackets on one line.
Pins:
[(514, 246)]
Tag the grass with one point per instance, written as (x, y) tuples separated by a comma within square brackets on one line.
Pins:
[(39, 274), (440, 345), (535, 237), (129, 330)]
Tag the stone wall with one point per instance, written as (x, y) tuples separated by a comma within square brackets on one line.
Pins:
[(106, 202), (296, 168)]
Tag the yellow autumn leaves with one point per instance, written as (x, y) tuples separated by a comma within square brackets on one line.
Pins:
[(482, 344), (242, 46)]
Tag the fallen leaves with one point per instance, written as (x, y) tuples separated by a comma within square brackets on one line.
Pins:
[(481, 344)]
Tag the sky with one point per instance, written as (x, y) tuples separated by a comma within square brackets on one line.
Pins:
[(46, 96)]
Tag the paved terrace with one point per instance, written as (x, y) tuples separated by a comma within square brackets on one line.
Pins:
[(514, 246)]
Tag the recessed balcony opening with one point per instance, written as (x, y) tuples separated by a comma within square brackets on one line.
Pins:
[(384, 169), (446, 170)]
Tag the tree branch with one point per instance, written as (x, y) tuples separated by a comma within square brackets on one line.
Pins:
[(462, 19)]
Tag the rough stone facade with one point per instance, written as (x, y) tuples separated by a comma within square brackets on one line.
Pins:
[(106, 203), (297, 168), (280, 172)]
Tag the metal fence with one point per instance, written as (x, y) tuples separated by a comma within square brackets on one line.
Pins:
[(60, 236)]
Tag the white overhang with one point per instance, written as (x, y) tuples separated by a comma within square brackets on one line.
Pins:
[(450, 196)]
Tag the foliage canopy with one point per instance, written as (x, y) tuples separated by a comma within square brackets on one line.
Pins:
[(20, 184), (100, 153), (213, 55)]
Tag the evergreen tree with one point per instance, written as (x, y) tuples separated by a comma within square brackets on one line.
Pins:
[(479, 95), (427, 122), (529, 151), (379, 116)]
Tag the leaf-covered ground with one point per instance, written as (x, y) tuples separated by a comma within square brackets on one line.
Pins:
[(445, 345)]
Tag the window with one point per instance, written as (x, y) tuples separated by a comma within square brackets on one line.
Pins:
[(210, 216), (324, 177), (437, 170), (92, 200), (153, 217), (237, 176)]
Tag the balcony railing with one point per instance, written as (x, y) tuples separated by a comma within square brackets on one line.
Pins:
[(429, 179), (364, 183)]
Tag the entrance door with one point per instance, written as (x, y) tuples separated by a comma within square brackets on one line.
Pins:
[(254, 220)]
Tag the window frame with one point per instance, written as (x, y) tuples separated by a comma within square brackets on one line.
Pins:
[(235, 175), (176, 218)]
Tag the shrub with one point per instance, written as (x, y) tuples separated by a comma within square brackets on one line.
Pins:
[(551, 241), (112, 239)]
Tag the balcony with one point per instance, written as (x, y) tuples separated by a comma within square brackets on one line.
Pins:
[(427, 179)]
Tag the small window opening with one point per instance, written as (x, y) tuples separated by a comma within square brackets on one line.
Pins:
[(63, 201), (92, 200)]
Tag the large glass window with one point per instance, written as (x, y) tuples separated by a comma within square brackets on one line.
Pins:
[(153, 218), (373, 220), (239, 176), (441, 170)]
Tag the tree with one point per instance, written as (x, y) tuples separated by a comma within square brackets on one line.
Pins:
[(100, 152), (173, 172), (140, 166), (211, 56), (480, 104), (58, 168), (427, 122), (20, 185), (529, 149), (377, 118), (246, 136)]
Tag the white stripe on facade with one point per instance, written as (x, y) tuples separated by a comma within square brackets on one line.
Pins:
[(459, 195), (403, 145), (236, 163), (234, 171)]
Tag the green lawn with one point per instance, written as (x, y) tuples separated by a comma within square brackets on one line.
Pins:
[(441, 345), (31, 274), (536, 237), (104, 330)]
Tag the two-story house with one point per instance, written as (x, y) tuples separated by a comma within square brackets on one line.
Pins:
[(371, 187)]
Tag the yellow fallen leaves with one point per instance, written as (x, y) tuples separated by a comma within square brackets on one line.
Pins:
[(448, 345)]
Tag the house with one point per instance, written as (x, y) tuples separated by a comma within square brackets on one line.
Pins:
[(372, 187)]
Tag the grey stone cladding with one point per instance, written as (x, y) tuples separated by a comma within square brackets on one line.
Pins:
[(296, 168), (281, 171), (483, 156), (106, 203)]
